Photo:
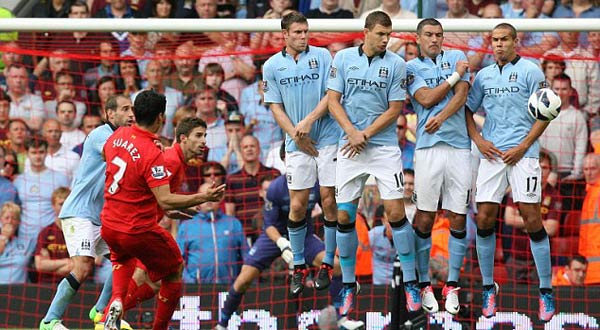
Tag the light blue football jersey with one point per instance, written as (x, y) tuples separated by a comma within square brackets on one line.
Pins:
[(299, 86), (87, 196), (367, 86), (424, 72), (503, 93)]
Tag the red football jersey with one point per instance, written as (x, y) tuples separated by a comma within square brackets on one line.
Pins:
[(175, 162), (134, 165), (175, 165)]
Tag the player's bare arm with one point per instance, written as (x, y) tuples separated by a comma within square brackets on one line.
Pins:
[(513, 155), (428, 97), (387, 118), (304, 126), (168, 201), (487, 148), (357, 140), (461, 91), (305, 144)]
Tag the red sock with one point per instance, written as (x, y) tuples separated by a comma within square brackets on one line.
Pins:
[(122, 273), (137, 294), (168, 298)]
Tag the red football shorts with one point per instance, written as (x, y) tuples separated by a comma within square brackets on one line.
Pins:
[(155, 249)]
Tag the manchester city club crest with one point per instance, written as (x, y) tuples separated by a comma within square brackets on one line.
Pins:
[(383, 72), (313, 64), (512, 77), (445, 65)]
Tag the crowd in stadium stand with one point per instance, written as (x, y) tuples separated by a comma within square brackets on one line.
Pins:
[(55, 85)]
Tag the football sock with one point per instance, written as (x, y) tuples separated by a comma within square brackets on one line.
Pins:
[(297, 233), (330, 230), (404, 240), (540, 248), (168, 299), (423, 251), (67, 288), (485, 243), (347, 241), (457, 244)]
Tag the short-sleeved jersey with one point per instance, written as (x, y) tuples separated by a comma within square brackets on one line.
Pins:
[(503, 93), (300, 86), (134, 165), (87, 196), (277, 205), (52, 240), (367, 86), (424, 72), (175, 162)]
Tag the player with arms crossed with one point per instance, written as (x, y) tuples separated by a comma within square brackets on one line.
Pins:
[(80, 215), (136, 174), (372, 82), (265, 250), (439, 83), (294, 85), (510, 149)]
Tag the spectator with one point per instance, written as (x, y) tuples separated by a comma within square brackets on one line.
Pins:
[(35, 189), (476, 7), (411, 50), (590, 228), (239, 69), (212, 245), (407, 147), (259, 119), (137, 50), (480, 53), (51, 257), (18, 133), (174, 97), (207, 172), (594, 39), (107, 67), (517, 255), (383, 252), (395, 11), (206, 109), (90, 122), (164, 54), (185, 78), (256, 8), (553, 66), (47, 70), (334, 47), (409, 190), (577, 9), (130, 79), (241, 198), (59, 158), (230, 155), (105, 88), (25, 105), (566, 136), (583, 70), (8, 58), (51, 8), (77, 42), (15, 250), (202, 9), (11, 166), (8, 192), (457, 10), (573, 274), (213, 77), (329, 9), (4, 118), (117, 9), (162, 9), (65, 91), (71, 135)]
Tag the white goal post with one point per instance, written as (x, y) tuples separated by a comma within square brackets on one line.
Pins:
[(270, 25)]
